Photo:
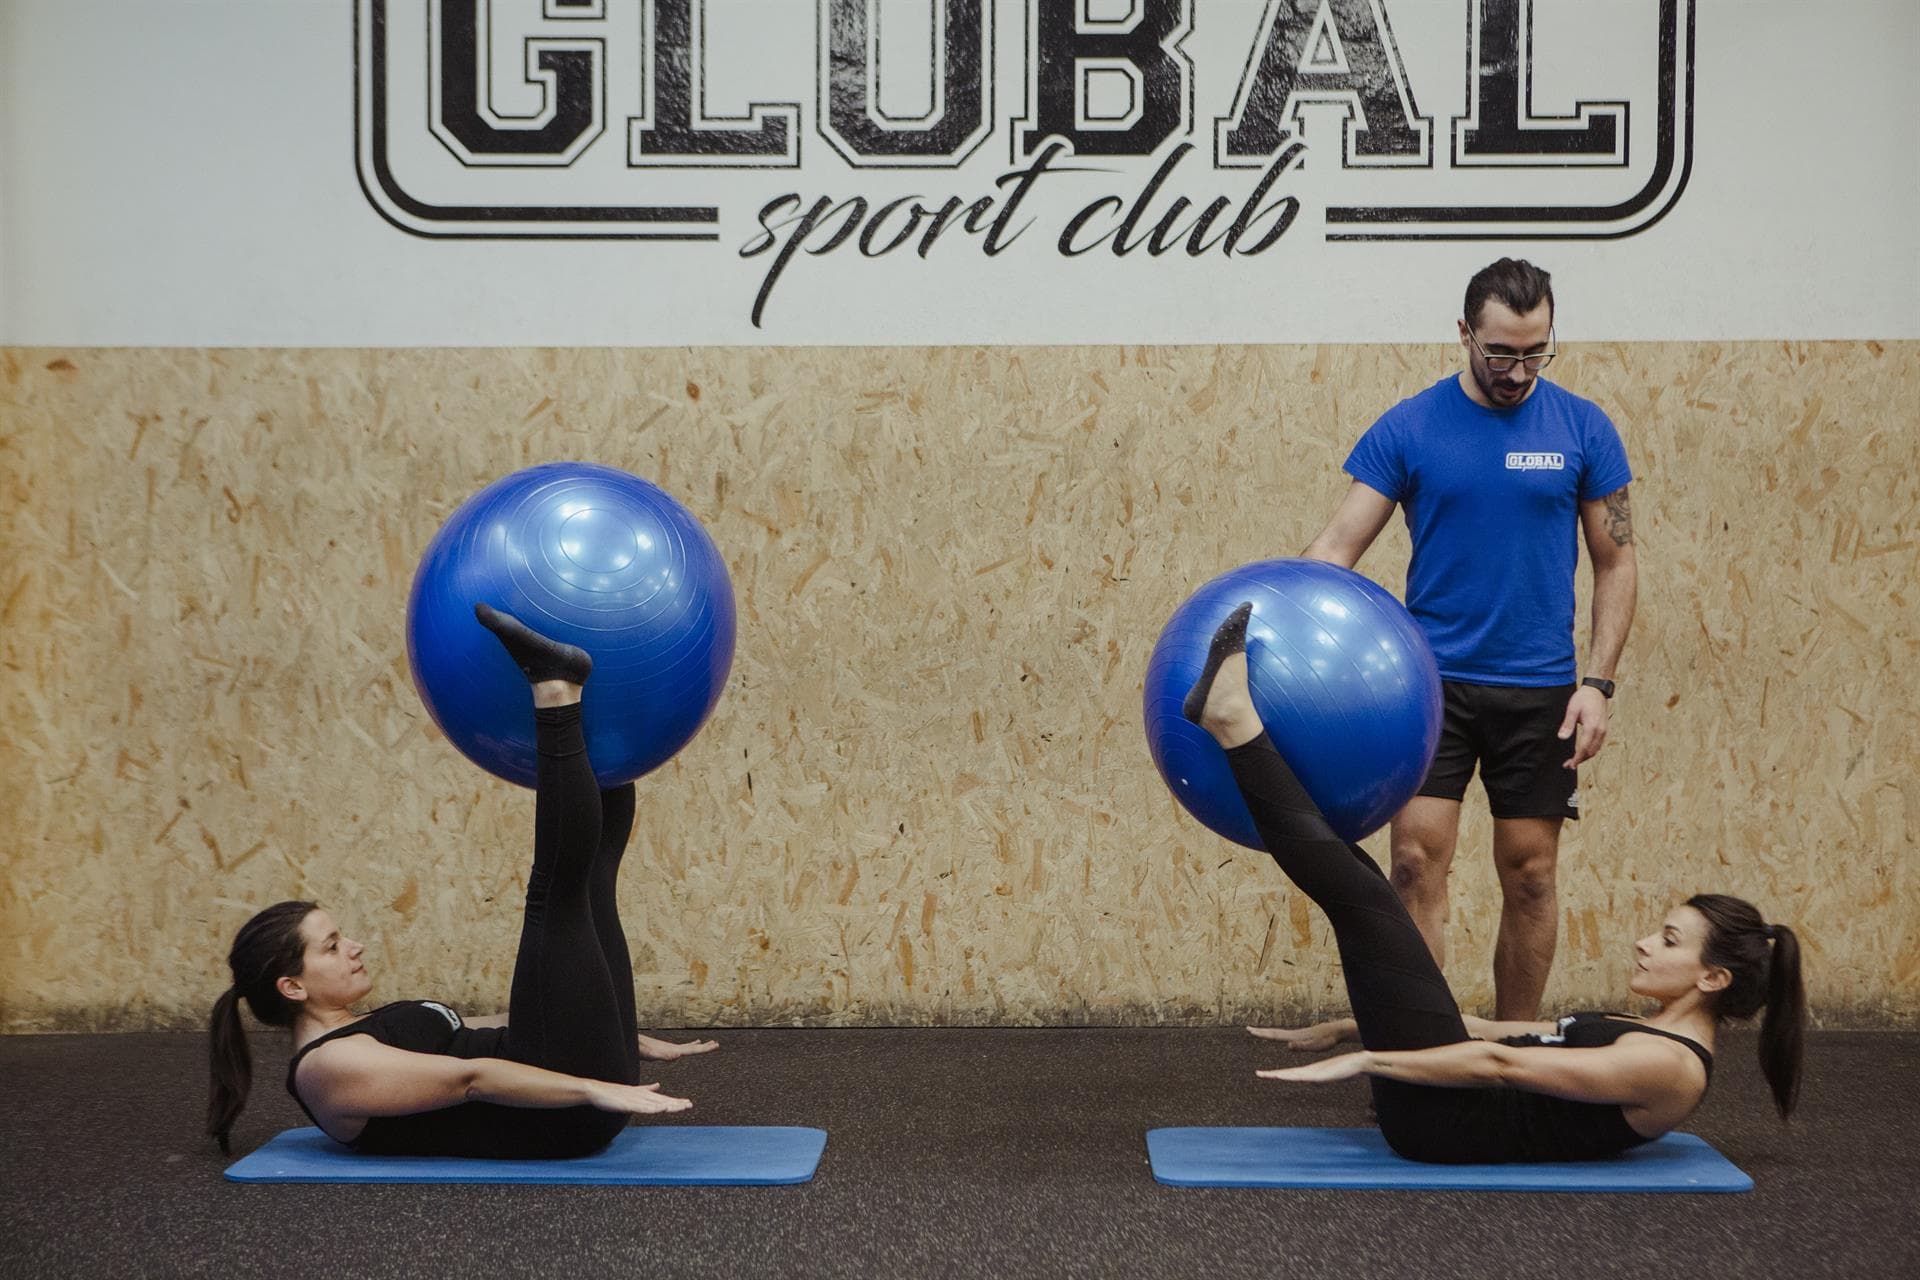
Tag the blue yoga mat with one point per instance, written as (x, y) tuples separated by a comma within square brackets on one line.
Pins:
[(1360, 1158), (681, 1155)]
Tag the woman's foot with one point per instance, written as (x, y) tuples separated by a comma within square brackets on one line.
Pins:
[(1220, 701), (543, 661)]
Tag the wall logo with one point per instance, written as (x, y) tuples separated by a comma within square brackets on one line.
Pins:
[(1110, 128)]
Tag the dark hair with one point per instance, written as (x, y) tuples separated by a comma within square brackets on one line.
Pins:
[(267, 948), (1514, 281), (1764, 961)]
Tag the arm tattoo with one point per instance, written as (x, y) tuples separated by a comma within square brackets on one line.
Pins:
[(1619, 517)]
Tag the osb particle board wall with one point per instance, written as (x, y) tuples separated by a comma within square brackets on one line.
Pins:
[(925, 797)]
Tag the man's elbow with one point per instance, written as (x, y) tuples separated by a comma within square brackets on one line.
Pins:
[(1333, 551)]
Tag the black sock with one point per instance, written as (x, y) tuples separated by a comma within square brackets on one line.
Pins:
[(1230, 639), (537, 657)]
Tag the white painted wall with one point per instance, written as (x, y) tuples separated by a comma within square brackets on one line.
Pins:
[(183, 172)]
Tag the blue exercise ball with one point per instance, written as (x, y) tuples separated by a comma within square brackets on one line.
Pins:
[(1342, 677), (597, 558)]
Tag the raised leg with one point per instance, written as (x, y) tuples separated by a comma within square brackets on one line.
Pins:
[(563, 1010), (616, 824), (1400, 1000)]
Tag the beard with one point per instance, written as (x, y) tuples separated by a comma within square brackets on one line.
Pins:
[(1499, 391)]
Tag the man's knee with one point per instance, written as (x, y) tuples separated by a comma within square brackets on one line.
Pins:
[(1526, 854), (1422, 842), (1531, 886), (1418, 871), (1529, 878)]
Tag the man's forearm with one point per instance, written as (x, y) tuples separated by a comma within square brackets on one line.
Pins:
[(1616, 589), (1328, 548)]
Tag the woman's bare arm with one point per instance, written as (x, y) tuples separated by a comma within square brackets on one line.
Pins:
[(1324, 1035), (1311, 1039), (357, 1078), (654, 1050), (1637, 1072)]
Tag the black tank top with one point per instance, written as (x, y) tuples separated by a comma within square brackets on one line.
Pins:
[(1543, 1127), (1597, 1030), (1499, 1124), (419, 1026)]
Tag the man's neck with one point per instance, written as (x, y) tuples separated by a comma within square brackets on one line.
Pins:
[(1471, 388)]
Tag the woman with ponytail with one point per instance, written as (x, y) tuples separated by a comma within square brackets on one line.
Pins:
[(1590, 1086), (557, 1076)]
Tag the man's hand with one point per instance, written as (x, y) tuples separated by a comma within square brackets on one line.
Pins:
[(1586, 723)]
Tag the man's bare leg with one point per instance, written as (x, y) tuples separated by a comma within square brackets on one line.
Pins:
[(1526, 852), (1423, 837)]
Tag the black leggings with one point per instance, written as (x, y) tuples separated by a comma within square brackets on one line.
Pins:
[(1400, 999), (571, 1008)]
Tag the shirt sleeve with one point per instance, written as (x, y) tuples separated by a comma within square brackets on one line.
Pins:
[(1378, 459), (1606, 457)]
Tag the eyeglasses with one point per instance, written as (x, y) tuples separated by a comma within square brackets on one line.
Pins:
[(1535, 362)]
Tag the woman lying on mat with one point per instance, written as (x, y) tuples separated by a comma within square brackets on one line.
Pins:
[(1442, 1096), (558, 1076)]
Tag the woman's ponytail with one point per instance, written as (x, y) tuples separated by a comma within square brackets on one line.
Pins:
[(266, 949), (1783, 1031), (231, 1067), (1763, 962)]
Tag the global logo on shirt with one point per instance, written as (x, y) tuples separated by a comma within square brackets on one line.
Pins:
[(1536, 461)]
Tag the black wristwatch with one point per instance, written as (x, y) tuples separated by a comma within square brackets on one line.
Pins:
[(1604, 686)]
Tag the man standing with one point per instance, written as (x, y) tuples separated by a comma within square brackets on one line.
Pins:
[(1496, 471)]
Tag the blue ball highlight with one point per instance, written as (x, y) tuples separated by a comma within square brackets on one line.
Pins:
[(592, 556), (1342, 677)]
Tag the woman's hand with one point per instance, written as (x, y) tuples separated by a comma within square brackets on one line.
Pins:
[(1342, 1066), (667, 1050), (634, 1099), (1317, 1038)]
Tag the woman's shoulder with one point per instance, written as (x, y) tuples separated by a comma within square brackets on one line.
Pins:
[(1607, 1028), (416, 1026), (403, 1024), (304, 1051)]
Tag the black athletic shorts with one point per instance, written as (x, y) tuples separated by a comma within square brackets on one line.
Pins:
[(1512, 734)]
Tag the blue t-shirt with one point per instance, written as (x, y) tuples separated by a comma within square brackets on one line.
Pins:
[(1492, 498)]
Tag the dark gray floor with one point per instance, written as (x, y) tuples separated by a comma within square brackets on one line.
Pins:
[(1000, 1153)]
